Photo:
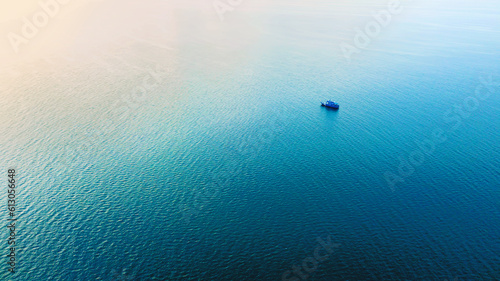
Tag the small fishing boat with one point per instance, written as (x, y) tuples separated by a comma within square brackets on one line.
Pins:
[(330, 104)]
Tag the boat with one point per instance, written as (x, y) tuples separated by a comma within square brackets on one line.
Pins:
[(330, 104)]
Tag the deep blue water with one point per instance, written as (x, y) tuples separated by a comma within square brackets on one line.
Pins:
[(227, 168)]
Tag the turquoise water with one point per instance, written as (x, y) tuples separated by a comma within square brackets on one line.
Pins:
[(226, 168)]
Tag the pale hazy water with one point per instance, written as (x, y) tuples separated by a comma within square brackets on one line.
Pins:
[(236, 115)]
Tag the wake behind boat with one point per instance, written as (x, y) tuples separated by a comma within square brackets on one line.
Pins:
[(330, 104)]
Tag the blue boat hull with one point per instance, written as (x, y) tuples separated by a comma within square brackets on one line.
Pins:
[(329, 106)]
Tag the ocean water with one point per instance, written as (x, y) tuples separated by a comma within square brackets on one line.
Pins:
[(203, 154)]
